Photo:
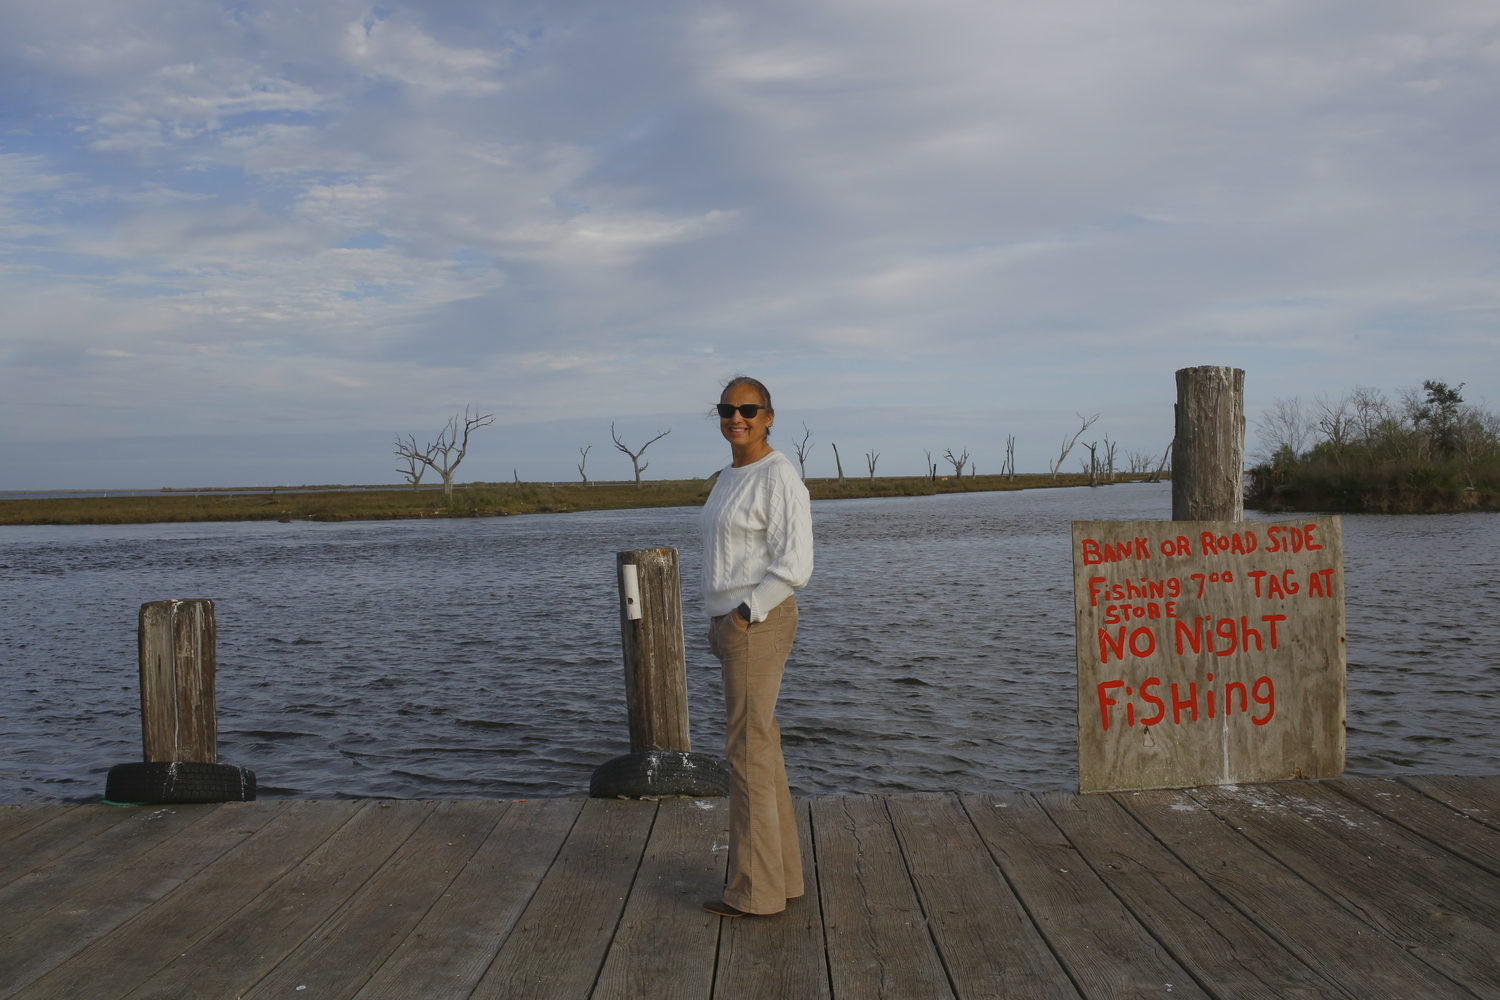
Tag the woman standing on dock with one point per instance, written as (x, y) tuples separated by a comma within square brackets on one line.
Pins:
[(757, 550)]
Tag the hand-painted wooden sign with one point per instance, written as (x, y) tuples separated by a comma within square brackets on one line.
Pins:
[(1209, 652)]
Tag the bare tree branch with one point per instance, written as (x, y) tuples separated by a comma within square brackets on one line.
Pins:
[(635, 456), (415, 461), (1068, 443), (871, 457), (957, 461), (837, 463), (803, 449), (440, 456), (584, 452)]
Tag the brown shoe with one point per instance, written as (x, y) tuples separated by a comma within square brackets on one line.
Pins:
[(722, 908)]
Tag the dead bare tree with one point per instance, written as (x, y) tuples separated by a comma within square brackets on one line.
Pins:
[(957, 461), (871, 457), (440, 455), (635, 456), (931, 467), (1091, 467), (1009, 468), (584, 460), (839, 465), (415, 461), (1110, 448), (803, 449), (1332, 417), (1166, 458), (1068, 443)]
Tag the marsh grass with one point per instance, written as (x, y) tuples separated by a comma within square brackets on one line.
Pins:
[(472, 500)]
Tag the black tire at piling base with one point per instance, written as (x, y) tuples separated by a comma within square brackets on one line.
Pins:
[(160, 782), (660, 774)]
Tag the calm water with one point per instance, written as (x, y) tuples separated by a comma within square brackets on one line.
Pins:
[(481, 657)]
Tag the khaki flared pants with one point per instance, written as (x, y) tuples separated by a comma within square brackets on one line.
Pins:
[(765, 862)]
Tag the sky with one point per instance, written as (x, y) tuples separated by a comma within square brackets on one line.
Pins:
[(251, 243)]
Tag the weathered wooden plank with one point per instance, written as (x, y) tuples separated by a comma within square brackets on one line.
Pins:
[(264, 931), (1285, 906), (988, 944), (448, 952), (178, 659), (97, 858), (1442, 909), (558, 945), (16, 820), (104, 894), (1209, 652), (1475, 797), (655, 662), (666, 943), (1208, 449), (279, 835), (45, 841), (340, 957), (878, 944), (1217, 944), (1105, 950), (781, 956), (1450, 829)]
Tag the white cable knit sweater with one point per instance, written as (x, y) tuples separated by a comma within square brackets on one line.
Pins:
[(757, 537)]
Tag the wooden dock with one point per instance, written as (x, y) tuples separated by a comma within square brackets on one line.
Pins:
[(1354, 889)]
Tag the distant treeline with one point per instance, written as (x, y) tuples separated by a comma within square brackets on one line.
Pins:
[(1429, 451), (472, 500)]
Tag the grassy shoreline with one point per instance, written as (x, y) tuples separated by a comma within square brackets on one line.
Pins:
[(472, 500)]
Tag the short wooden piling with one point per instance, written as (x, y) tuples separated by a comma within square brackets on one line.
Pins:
[(177, 652), (655, 662), (1208, 452)]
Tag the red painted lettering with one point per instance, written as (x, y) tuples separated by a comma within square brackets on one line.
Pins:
[(1106, 644), (1308, 533), (1254, 575), (1229, 700), (1105, 701), (1246, 632), (1272, 620), (1209, 548), (1268, 699), (1179, 704), (1143, 548), (1161, 708), (1091, 554), (1150, 641), (1095, 590), (1174, 587), (1230, 633), (1286, 581), (1194, 636), (1315, 585), (1184, 547)]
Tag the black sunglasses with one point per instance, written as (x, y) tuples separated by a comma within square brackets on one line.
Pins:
[(748, 411)]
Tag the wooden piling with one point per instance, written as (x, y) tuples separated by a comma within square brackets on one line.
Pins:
[(655, 662), (177, 653), (1208, 452)]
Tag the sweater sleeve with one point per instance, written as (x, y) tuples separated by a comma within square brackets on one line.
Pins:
[(790, 541)]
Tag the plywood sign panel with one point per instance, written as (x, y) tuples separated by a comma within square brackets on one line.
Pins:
[(1209, 652)]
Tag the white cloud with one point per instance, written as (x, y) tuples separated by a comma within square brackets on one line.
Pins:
[(558, 207)]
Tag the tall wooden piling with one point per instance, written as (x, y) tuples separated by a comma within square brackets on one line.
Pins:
[(178, 661), (1208, 452), (655, 661)]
